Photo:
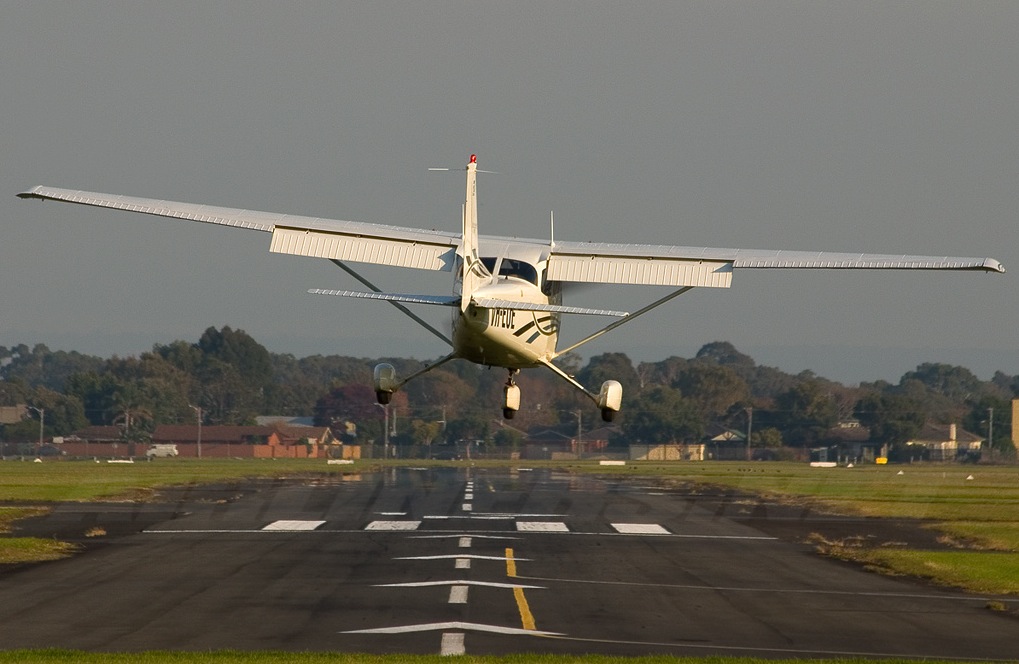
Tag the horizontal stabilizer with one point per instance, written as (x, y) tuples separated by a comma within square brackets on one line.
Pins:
[(444, 300), (490, 303)]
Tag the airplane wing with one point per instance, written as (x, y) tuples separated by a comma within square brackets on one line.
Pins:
[(591, 262), (302, 236), (663, 265)]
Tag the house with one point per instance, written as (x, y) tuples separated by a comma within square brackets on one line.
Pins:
[(946, 442), (13, 414), (724, 444)]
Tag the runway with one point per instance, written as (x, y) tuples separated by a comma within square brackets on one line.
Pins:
[(471, 561)]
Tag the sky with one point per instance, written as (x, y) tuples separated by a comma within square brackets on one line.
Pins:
[(884, 127)]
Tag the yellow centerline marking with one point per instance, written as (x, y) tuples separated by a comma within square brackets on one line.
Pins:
[(526, 619)]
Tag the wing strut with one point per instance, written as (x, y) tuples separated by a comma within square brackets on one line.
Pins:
[(420, 321), (614, 325)]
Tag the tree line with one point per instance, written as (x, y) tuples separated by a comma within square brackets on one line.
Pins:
[(229, 378)]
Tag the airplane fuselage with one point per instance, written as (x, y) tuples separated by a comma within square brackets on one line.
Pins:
[(505, 336)]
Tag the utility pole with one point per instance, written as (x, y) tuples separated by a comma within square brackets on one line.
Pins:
[(750, 428), (990, 434), (42, 416), (580, 440), (198, 412)]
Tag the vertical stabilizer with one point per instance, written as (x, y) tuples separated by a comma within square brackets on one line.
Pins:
[(474, 272)]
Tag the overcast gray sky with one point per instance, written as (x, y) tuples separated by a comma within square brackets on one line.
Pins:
[(849, 126)]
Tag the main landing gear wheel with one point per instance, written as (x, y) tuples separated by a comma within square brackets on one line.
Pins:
[(511, 396), (610, 398), (384, 382)]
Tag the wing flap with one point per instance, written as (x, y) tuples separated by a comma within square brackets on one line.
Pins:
[(646, 270), (374, 248)]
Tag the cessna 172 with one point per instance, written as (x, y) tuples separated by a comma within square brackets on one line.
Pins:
[(507, 292)]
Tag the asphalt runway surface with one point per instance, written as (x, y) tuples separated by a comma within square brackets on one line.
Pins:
[(473, 561)]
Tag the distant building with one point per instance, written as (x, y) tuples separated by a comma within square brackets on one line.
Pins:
[(946, 442), (285, 420), (1015, 424), (13, 414)]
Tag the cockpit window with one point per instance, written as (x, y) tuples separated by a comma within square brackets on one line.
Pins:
[(513, 268)]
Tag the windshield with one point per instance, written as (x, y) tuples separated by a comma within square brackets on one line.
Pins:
[(513, 268)]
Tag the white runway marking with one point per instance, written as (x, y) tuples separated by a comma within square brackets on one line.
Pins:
[(463, 563), (393, 525), (468, 496), (465, 542), (467, 507), (640, 529), (452, 644), (457, 582), (391, 513), (435, 627), (447, 556), (458, 594), (472, 536), (542, 527), (293, 525)]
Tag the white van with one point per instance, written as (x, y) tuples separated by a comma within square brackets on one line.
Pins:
[(161, 451)]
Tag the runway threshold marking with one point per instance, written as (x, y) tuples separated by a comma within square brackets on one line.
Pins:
[(640, 529), (292, 524), (452, 644), (542, 527), (458, 594), (526, 618), (393, 525)]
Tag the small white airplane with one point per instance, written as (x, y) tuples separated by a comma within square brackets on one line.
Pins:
[(507, 292)]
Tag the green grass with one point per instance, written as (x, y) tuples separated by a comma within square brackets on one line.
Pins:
[(231, 657), (33, 550), (986, 572), (62, 481)]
